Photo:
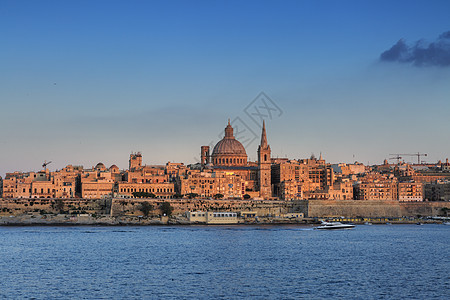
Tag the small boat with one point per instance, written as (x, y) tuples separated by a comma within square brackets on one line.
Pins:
[(418, 223), (334, 225), (446, 223), (367, 223)]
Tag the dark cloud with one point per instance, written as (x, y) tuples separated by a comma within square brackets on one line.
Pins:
[(436, 53)]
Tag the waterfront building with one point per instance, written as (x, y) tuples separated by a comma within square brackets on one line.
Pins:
[(437, 191), (163, 190), (210, 217), (410, 191), (376, 186), (96, 183), (43, 184), (305, 179), (210, 183)]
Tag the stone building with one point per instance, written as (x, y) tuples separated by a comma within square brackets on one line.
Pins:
[(410, 191), (97, 183), (163, 190), (376, 187), (305, 179), (210, 183), (135, 162), (228, 166), (437, 191)]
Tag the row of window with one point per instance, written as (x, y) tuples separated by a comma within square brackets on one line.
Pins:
[(231, 161), (224, 215), (147, 190)]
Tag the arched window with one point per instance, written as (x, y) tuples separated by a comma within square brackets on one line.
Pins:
[(265, 157)]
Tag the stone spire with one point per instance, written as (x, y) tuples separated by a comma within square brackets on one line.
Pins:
[(264, 166), (263, 136)]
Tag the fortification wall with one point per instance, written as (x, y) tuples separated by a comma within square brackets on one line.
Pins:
[(263, 208), (56, 206), (368, 208)]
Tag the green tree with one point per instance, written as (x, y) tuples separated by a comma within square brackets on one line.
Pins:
[(192, 195), (247, 196), (59, 205), (146, 208), (143, 195), (166, 208), (218, 196)]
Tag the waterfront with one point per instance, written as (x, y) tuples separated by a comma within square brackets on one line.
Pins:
[(288, 262)]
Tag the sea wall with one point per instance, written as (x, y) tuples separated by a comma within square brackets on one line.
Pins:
[(310, 208), (368, 208), (262, 208), (55, 206)]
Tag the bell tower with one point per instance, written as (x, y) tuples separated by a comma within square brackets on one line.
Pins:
[(135, 162), (204, 155), (264, 163)]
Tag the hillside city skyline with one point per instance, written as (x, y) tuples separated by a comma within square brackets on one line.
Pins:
[(224, 170), (410, 158)]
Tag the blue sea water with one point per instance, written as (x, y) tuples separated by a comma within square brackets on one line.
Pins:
[(225, 262)]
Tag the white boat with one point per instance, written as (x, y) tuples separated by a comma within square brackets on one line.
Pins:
[(446, 223), (334, 225)]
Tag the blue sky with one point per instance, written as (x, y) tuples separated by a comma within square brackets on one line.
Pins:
[(89, 81)]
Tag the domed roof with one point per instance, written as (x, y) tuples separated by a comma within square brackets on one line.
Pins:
[(114, 167), (100, 166), (229, 145)]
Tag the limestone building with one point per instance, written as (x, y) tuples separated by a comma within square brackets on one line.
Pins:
[(229, 170)]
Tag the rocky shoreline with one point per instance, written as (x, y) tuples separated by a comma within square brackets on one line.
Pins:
[(104, 220)]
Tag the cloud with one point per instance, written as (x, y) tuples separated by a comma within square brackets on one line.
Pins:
[(420, 54)]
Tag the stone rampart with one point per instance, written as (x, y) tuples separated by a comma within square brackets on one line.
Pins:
[(368, 208), (263, 208)]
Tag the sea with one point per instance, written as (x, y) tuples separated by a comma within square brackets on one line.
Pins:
[(225, 262)]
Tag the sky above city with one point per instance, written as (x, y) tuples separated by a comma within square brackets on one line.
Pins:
[(83, 82)]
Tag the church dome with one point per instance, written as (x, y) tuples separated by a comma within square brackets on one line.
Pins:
[(229, 146), (100, 166), (229, 151)]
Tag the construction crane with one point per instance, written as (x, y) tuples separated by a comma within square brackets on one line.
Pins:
[(45, 164), (418, 154), (397, 158)]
